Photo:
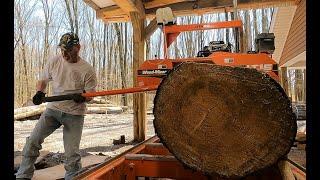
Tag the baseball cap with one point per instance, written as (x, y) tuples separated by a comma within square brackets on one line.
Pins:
[(67, 40)]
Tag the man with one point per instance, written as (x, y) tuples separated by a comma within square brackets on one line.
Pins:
[(69, 74)]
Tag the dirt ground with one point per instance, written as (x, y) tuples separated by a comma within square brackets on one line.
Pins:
[(98, 134)]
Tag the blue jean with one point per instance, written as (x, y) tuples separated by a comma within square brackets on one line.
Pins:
[(49, 121)]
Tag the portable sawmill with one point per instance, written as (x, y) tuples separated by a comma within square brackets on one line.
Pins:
[(151, 72), (220, 114)]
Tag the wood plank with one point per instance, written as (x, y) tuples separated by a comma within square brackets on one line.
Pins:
[(293, 45), (110, 12), (187, 7), (151, 28), (139, 56), (131, 6), (126, 5), (29, 112), (92, 4), (116, 19), (158, 3), (18, 159), (205, 6), (57, 172)]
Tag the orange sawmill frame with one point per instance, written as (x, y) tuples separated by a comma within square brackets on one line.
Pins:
[(172, 32), (151, 72), (151, 159), (147, 159)]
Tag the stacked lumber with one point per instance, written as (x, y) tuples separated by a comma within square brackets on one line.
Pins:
[(103, 109), (229, 121)]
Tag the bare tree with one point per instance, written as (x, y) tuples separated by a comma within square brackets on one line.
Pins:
[(122, 60), (72, 11), (23, 12), (48, 21), (90, 20)]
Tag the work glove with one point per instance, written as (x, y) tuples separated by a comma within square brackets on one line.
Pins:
[(38, 98), (78, 98)]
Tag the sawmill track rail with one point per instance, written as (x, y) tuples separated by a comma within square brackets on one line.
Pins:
[(151, 159)]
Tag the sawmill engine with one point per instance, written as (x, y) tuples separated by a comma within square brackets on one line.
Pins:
[(265, 43), (214, 46)]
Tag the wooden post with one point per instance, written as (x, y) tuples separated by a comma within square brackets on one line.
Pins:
[(284, 79), (139, 55)]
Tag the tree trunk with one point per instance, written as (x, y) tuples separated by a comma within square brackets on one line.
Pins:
[(69, 15), (227, 30), (226, 120), (90, 19), (121, 52), (46, 11), (255, 32), (125, 66), (104, 54)]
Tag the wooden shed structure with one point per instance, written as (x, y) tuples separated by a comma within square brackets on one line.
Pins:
[(289, 27), (137, 11)]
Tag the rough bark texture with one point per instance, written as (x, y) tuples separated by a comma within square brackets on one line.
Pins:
[(223, 120)]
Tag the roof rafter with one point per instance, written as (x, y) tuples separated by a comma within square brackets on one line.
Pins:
[(205, 6), (111, 11), (158, 3), (180, 7)]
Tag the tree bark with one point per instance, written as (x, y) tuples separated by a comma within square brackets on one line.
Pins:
[(223, 120)]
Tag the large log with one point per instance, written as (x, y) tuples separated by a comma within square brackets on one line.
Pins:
[(25, 112), (229, 121)]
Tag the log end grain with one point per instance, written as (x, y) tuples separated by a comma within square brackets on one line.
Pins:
[(223, 120)]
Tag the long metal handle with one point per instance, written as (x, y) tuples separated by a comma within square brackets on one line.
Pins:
[(58, 98), (101, 93)]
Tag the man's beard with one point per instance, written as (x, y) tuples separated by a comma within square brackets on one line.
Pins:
[(71, 57)]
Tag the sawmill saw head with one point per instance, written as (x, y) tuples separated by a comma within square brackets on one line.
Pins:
[(151, 72)]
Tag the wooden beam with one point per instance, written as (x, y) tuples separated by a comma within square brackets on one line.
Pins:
[(131, 6), (110, 12), (92, 4), (159, 3), (116, 19), (151, 28), (210, 6), (139, 55), (187, 7)]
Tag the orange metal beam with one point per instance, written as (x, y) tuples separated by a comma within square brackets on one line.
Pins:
[(109, 168), (172, 32), (203, 26), (159, 166), (120, 91), (155, 148)]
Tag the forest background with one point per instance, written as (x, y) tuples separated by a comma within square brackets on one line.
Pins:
[(38, 25)]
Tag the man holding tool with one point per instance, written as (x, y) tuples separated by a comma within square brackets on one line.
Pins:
[(69, 74)]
